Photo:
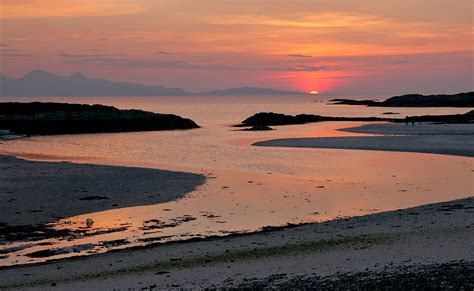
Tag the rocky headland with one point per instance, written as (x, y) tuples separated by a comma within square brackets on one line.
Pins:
[(415, 100), (265, 119), (48, 118)]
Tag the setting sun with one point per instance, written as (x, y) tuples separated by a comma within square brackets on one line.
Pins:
[(314, 92)]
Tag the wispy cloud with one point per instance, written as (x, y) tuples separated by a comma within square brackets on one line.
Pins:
[(323, 20), (165, 53), (305, 68), (299, 56), (160, 64), (8, 50), (14, 9), (68, 55), (14, 55)]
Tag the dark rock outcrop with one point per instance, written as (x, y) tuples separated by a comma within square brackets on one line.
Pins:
[(352, 102), (416, 100), (259, 128), (62, 118), (271, 118)]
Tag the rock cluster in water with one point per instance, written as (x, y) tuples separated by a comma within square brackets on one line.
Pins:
[(262, 120), (62, 118), (416, 100)]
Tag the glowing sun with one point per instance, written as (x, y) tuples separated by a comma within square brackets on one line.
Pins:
[(314, 92)]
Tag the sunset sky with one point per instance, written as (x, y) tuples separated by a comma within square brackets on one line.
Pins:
[(343, 46)]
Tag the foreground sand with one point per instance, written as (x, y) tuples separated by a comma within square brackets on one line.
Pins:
[(41, 192), (452, 139), (421, 237)]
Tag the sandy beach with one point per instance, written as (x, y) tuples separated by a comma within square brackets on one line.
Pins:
[(453, 139)]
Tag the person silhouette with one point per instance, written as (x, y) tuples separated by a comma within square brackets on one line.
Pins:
[(406, 120)]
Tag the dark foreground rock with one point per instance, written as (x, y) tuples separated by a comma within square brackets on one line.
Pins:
[(265, 119), (449, 276), (62, 118), (416, 100)]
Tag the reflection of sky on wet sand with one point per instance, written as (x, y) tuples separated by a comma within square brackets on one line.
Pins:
[(247, 187)]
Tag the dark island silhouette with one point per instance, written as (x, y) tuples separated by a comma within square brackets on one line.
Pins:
[(415, 100), (262, 120), (38, 118), (40, 83), (265, 119)]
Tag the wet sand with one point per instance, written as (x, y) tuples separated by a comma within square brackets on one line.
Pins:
[(423, 237), (452, 139), (42, 192)]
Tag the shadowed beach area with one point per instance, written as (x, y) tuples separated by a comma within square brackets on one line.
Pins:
[(448, 139), (52, 190)]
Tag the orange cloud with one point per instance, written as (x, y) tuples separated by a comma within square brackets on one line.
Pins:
[(22, 9), (324, 20)]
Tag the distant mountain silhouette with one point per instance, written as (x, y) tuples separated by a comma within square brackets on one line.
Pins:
[(249, 91), (41, 83)]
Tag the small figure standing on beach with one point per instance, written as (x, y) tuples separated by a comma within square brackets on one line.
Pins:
[(406, 120)]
